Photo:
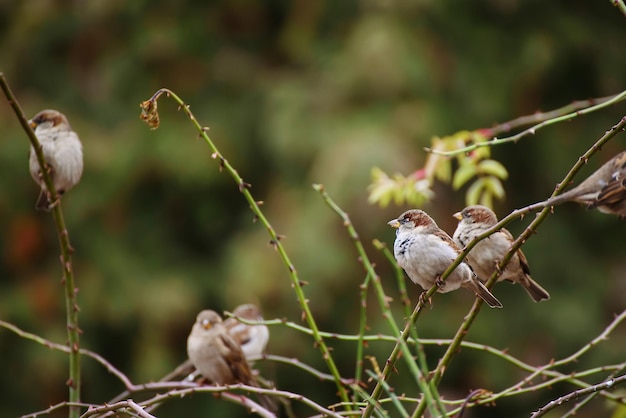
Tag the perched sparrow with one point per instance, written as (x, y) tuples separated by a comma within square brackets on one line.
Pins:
[(425, 251), (484, 257), (216, 355), (61, 149), (605, 189), (252, 338)]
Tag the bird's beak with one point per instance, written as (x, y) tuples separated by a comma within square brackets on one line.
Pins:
[(394, 223), (458, 216), (206, 325), (32, 124)]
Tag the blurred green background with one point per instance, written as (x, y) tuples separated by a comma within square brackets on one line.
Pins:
[(294, 93)]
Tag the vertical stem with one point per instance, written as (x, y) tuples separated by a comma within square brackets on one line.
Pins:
[(71, 306), (151, 117)]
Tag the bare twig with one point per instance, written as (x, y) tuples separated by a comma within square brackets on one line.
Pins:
[(533, 129), (59, 347), (430, 392), (150, 115), (127, 407), (538, 117), (607, 384), (58, 406)]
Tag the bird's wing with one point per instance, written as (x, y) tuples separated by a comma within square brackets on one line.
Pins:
[(236, 361), (522, 258), (613, 192)]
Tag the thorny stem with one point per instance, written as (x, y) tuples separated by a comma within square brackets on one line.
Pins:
[(514, 390), (591, 396), (358, 367), (607, 384), (533, 129), (430, 392), (538, 117), (275, 239), (71, 304), (406, 301)]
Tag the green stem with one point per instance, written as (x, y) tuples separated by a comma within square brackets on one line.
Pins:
[(358, 368), (71, 304), (430, 393), (533, 129), (275, 238)]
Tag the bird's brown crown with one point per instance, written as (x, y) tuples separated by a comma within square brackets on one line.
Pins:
[(49, 116), (479, 213), (417, 217)]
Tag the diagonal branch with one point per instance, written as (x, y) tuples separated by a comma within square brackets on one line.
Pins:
[(150, 115)]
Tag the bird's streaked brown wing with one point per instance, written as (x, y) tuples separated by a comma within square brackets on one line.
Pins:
[(236, 361), (614, 192)]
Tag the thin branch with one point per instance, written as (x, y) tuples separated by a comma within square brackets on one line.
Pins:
[(538, 117), (389, 390), (150, 115), (59, 347), (58, 406), (430, 392), (533, 129), (309, 369), (185, 391), (607, 384), (71, 304), (125, 407)]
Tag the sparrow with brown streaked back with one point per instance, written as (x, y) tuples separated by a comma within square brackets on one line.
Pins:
[(251, 338), (62, 151), (217, 356), (486, 254), (604, 189), (425, 251)]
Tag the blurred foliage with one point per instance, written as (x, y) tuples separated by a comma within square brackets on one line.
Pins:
[(416, 189), (294, 93)]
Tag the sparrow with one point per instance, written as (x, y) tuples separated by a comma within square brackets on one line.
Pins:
[(252, 338), (217, 356), (486, 254), (62, 151), (605, 189), (425, 251)]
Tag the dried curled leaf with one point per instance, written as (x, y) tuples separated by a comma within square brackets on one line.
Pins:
[(149, 113)]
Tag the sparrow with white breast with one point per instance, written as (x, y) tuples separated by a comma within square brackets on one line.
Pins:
[(62, 151), (425, 251), (486, 254), (217, 356), (604, 189)]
